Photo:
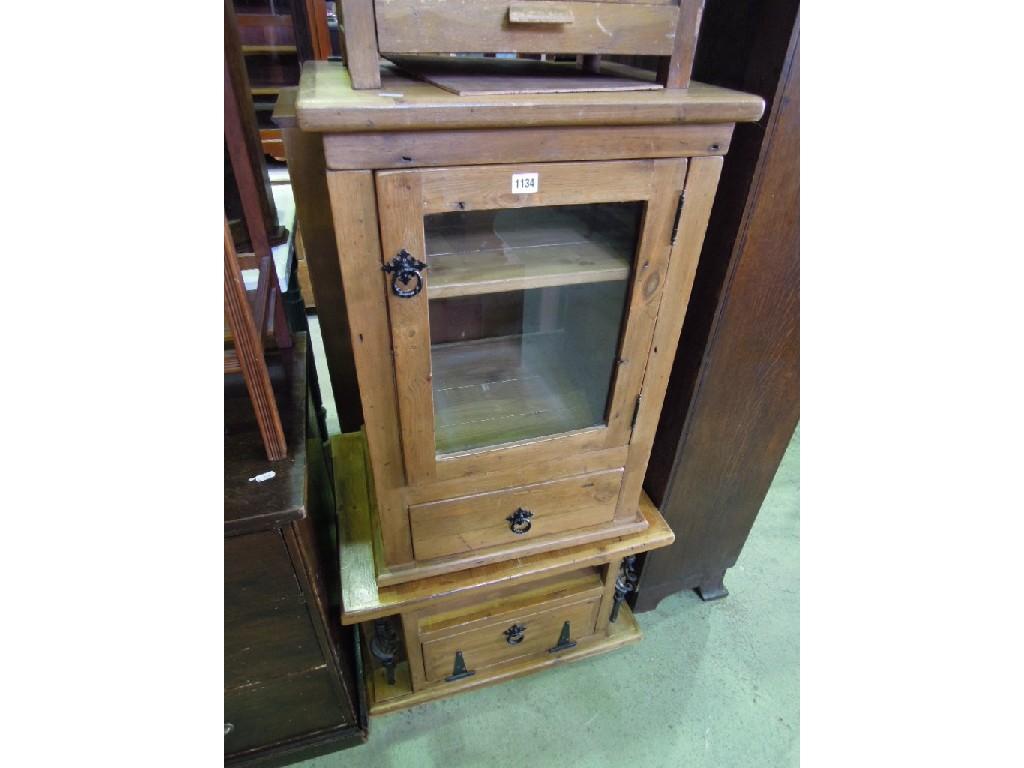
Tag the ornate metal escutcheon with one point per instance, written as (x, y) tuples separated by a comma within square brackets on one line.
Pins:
[(519, 521), (515, 634), (405, 269)]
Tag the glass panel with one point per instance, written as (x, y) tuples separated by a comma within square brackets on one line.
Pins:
[(526, 309)]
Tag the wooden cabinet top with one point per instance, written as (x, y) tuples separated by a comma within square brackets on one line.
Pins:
[(326, 103)]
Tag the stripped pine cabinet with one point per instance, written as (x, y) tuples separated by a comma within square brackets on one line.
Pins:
[(512, 324), (514, 291)]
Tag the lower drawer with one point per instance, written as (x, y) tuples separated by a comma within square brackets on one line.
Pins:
[(511, 627), (513, 515)]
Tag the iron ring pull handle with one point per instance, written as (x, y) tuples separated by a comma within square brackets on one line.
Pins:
[(515, 634), (404, 268), (519, 521)]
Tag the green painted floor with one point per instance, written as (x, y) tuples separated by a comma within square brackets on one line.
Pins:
[(710, 684)]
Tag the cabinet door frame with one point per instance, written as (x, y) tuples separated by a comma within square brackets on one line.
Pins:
[(404, 197)]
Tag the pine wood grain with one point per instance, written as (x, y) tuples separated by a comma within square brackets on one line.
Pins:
[(410, 149), (674, 72), (502, 605), (364, 598), (354, 203), (328, 103), (411, 26), (540, 471), (360, 38), (398, 200), (487, 187), (473, 76), (474, 522), (486, 646), (701, 182), (651, 269), (621, 633), (319, 260)]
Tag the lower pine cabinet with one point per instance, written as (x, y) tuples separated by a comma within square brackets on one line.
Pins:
[(451, 633)]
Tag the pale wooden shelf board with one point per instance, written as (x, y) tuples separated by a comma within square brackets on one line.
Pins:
[(520, 269), (485, 394)]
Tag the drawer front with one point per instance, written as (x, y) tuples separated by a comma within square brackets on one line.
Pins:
[(513, 515), (526, 26), (489, 645), (261, 715)]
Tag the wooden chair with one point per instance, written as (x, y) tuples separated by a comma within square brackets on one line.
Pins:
[(254, 318)]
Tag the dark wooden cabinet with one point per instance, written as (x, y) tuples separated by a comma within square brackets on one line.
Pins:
[(289, 668), (735, 383)]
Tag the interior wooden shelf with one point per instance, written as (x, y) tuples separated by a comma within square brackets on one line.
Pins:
[(511, 269), (483, 252), (266, 90), (499, 390)]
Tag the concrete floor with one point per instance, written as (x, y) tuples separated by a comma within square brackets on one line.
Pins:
[(711, 684)]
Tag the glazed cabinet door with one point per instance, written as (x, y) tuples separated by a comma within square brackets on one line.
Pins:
[(522, 301)]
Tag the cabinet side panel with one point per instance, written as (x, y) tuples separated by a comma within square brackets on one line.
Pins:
[(305, 153), (354, 203), (701, 182)]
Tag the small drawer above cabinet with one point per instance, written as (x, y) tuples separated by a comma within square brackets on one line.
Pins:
[(529, 623), (645, 27), (513, 515)]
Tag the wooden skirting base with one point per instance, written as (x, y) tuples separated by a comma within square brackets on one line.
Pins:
[(386, 698)]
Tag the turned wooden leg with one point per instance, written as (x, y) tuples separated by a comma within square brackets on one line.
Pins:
[(713, 587)]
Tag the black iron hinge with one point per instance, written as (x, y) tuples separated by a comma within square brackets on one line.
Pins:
[(679, 216), (636, 411)]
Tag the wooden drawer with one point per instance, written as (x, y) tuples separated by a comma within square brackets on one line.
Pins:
[(510, 627), (527, 26), (468, 523)]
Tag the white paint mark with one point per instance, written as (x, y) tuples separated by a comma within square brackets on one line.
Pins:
[(707, 739), (602, 27), (392, 95), (264, 477)]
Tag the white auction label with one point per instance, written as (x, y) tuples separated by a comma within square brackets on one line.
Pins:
[(525, 183)]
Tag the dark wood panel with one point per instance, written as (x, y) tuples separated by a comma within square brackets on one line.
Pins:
[(268, 713), (290, 670), (268, 632), (735, 383)]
